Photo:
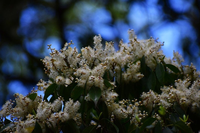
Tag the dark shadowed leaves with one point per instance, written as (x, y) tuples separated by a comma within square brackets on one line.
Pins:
[(50, 90), (95, 94), (158, 128), (107, 83), (182, 127), (146, 123), (173, 68), (76, 92), (160, 72), (65, 92), (90, 129), (32, 96), (37, 128), (70, 126), (151, 82)]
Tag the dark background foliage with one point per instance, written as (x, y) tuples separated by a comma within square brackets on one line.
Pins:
[(26, 27)]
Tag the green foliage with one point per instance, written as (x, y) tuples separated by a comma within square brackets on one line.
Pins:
[(76, 92), (151, 81), (160, 72), (32, 96), (95, 94), (173, 68), (146, 123), (69, 126), (51, 90), (97, 110), (37, 128), (125, 101)]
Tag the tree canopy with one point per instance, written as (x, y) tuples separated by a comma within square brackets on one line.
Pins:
[(26, 27)]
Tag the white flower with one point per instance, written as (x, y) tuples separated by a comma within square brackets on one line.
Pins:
[(69, 111), (6, 109), (56, 105), (43, 111), (24, 105), (178, 58), (53, 120), (97, 40), (60, 80), (63, 116)]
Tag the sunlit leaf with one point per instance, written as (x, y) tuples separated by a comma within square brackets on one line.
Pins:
[(162, 110)]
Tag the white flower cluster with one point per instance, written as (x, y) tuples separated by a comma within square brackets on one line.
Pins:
[(44, 113), (184, 93), (91, 64), (87, 69)]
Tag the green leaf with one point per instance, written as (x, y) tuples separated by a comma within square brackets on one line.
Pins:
[(50, 90), (158, 128), (6, 121), (107, 83), (183, 127), (32, 96), (65, 92), (174, 117), (37, 128), (76, 92), (116, 128), (102, 107), (70, 127), (94, 114), (143, 65), (160, 72), (107, 75), (167, 130), (108, 125), (95, 94), (146, 123), (173, 68), (131, 128), (178, 109), (161, 110), (90, 129), (144, 68), (151, 82)]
